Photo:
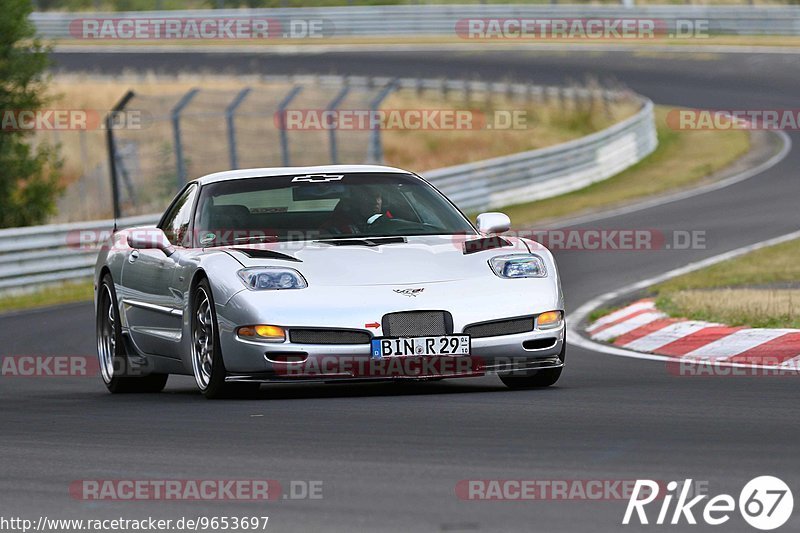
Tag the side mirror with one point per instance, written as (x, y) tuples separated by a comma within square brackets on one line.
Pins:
[(493, 222), (150, 239)]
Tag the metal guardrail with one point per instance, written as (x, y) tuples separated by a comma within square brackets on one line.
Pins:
[(40, 255), (441, 20)]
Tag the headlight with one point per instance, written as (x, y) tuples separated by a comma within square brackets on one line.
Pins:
[(272, 278), (518, 266)]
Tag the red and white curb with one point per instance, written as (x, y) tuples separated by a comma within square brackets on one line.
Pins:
[(577, 318), (641, 327)]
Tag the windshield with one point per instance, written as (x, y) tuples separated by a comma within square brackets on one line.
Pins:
[(323, 206)]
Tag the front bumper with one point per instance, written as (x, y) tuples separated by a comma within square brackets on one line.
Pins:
[(520, 353)]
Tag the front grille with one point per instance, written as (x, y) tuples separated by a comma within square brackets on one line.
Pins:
[(500, 327), (329, 336), (417, 324)]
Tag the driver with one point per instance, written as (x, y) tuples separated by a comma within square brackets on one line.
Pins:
[(377, 207), (354, 213)]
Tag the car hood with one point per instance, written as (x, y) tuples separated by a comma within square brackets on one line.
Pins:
[(427, 259)]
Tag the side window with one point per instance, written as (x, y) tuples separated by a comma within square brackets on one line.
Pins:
[(176, 223)]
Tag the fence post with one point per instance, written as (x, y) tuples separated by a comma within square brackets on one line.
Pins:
[(375, 147), (112, 149), (337, 100), (176, 132), (282, 119), (230, 111)]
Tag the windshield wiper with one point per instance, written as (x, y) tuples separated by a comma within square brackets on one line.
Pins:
[(242, 240), (251, 238), (364, 241)]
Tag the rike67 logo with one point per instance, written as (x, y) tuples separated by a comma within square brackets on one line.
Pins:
[(765, 503)]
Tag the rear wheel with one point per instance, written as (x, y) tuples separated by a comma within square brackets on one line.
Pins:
[(207, 364), (539, 378), (114, 366)]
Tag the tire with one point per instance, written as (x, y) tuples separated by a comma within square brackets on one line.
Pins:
[(208, 366), (111, 354), (539, 378)]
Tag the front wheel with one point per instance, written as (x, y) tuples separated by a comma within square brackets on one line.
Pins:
[(207, 364), (114, 366)]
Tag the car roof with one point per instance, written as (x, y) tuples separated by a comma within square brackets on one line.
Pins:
[(294, 171)]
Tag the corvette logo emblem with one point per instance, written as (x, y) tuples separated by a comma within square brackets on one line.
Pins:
[(318, 178), (409, 292)]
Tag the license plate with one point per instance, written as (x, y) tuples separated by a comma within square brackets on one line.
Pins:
[(421, 346)]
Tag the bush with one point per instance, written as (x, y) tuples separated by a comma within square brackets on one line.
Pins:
[(29, 181)]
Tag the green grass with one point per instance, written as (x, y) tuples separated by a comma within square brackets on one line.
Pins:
[(682, 159), (600, 312), (760, 289), (54, 295), (772, 265)]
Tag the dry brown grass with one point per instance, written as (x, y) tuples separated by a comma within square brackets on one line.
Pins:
[(758, 289), (682, 159), (751, 307), (548, 122)]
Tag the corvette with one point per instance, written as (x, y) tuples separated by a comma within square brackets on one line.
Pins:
[(333, 273)]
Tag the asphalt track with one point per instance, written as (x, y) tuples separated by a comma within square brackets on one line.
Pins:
[(390, 456)]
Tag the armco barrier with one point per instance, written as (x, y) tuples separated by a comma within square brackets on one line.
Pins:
[(40, 255), (550, 171), (441, 20)]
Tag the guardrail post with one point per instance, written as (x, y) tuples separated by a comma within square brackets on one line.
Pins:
[(230, 111), (112, 149), (335, 103), (282, 119), (176, 132), (375, 154)]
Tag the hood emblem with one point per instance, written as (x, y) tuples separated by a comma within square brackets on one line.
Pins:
[(410, 292)]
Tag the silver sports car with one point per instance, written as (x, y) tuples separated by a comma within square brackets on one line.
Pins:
[(324, 274)]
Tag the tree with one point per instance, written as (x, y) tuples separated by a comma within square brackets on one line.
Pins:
[(29, 180)]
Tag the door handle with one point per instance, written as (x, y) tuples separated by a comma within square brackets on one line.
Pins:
[(134, 256)]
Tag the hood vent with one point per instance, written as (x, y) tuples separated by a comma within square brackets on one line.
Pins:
[(486, 243), (256, 253)]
